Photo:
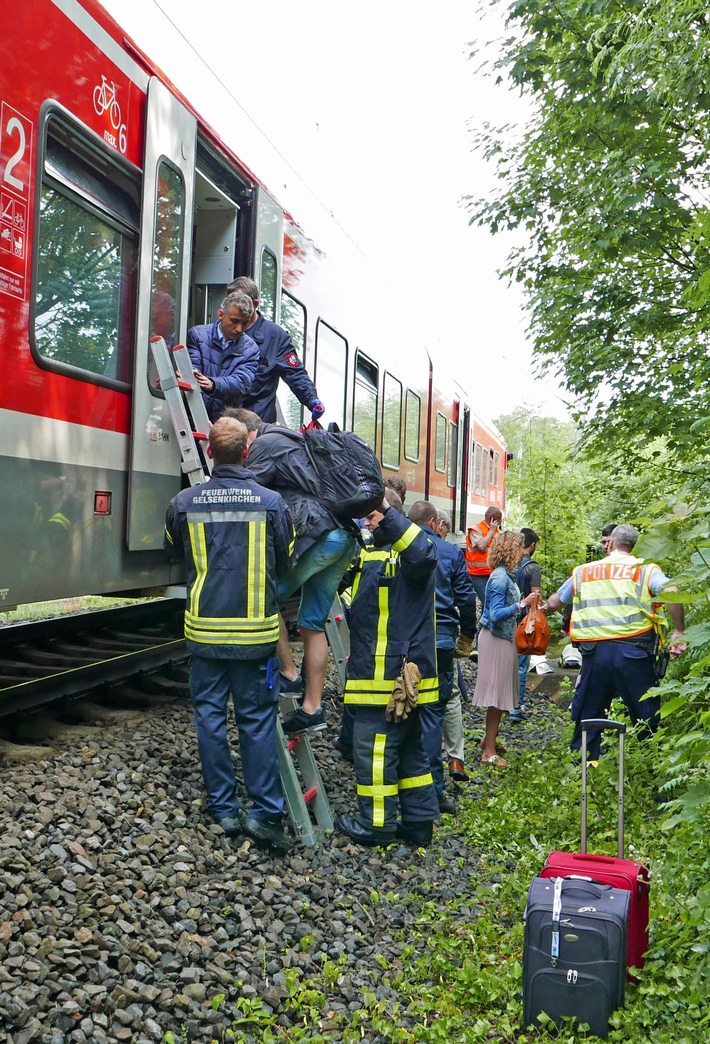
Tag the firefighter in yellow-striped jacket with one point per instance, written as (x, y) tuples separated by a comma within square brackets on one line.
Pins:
[(392, 623), (237, 540)]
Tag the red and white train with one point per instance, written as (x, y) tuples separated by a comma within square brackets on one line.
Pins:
[(117, 197)]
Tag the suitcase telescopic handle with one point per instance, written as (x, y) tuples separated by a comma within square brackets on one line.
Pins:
[(604, 723), (615, 726)]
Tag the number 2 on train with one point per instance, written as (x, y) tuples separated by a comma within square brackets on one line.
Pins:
[(14, 130)]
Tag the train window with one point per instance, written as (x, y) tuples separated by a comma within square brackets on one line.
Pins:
[(293, 319), (453, 453), (86, 257), (480, 467), (331, 370), (412, 420), (490, 467), (365, 400), (440, 445), (496, 466), (267, 285), (391, 421)]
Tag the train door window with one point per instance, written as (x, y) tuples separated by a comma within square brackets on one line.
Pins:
[(167, 248), (496, 467), (365, 399), (490, 467), (267, 285), (167, 260), (86, 253), (453, 453), (293, 319), (391, 421), (331, 371), (412, 421), (440, 445)]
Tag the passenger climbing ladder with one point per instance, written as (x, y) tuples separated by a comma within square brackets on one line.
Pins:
[(191, 423)]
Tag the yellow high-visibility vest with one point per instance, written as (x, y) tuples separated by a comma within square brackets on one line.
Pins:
[(612, 599)]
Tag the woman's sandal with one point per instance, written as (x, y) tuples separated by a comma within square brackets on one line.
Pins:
[(495, 760)]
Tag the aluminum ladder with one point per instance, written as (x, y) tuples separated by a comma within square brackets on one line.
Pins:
[(186, 407), (191, 423)]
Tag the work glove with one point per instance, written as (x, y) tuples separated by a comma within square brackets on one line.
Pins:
[(405, 694), (317, 409), (464, 646)]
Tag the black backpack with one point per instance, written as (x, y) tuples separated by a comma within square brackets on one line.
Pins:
[(522, 576), (349, 472)]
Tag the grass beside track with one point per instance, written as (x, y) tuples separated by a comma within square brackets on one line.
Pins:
[(36, 611)]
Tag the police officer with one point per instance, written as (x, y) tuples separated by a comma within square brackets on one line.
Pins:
[(615, 617), (391, 620), (278, 360), (237, 540)]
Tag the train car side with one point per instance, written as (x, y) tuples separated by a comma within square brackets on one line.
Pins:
[(124, 215)]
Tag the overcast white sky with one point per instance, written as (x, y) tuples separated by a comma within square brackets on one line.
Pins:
[(367, 106)]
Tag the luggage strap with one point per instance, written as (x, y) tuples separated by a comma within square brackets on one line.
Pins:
[(556, 914)]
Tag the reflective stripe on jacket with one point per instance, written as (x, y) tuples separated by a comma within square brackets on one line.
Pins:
[(392, 613), (477, 561), (612, 600), (237, 539)]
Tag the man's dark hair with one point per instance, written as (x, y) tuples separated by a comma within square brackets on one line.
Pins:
[(394, 500), (422, 512), (609, 528), (251, 421), (244, 285), (398, 485), (529, 536)]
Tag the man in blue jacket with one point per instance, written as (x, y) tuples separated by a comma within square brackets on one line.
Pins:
[(455, 612), (237, 540), (224, 357), (278, 360)]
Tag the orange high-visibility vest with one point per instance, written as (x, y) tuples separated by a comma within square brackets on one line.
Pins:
[(477, 561)]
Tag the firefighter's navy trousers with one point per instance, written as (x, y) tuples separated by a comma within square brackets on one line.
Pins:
[(254, 690), (392, 771)]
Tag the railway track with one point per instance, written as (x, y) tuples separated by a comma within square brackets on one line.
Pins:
[(70, 656)]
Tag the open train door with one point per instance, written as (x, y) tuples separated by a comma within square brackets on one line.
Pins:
[(163, 293)]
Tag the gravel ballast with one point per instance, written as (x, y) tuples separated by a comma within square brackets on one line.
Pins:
[(127, 914)]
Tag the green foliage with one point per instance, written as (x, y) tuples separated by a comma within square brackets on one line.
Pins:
[(548, 489), (607, 184)]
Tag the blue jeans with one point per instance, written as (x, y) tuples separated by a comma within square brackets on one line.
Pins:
[(523, 666), (254, 690), (431, 716), (479, 586), (318, 573)]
